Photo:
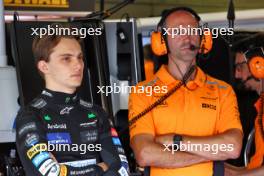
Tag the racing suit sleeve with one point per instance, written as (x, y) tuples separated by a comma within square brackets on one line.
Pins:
[(112, 152), (32, 148)]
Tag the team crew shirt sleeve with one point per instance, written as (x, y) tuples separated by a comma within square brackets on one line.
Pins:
[(229, 115), (144, 125)]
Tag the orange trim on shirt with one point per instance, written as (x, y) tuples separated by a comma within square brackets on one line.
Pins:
[(257, 159)]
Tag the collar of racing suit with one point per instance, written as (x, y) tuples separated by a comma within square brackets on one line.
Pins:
[(60, 97)]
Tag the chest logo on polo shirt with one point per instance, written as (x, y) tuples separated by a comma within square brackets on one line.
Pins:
[(163, 104), (209, 98), (209, 106), (66, 110)]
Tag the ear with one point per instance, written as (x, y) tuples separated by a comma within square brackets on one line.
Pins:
[(43, 66)]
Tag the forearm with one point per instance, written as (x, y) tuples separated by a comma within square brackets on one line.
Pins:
[(255, 172), (219, 147), (149, 153), (242, 171), (156, 156)]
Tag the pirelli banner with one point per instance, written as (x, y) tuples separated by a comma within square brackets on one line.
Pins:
[(50, 5)]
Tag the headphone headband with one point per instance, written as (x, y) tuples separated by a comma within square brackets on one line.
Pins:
[(167, 12), (159, 41)]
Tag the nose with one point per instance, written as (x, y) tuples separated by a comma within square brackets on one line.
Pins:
[(185, 39), (237, 74), (78, 63)]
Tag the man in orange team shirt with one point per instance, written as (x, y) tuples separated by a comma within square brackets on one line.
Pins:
[(200, 119)]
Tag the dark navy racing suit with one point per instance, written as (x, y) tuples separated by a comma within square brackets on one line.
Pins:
[(60, 134)]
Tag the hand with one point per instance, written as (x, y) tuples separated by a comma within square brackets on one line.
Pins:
[(164, 139), (233, 170), (53, 157), (103, 166)]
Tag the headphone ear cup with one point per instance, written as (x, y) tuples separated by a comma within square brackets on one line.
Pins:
[(158, 44), (256, 66), (206, 42)]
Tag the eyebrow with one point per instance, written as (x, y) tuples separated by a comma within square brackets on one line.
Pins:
[(67, 54), (240, 63)]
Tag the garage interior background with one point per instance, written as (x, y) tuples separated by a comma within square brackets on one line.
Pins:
[(150, 8), (153, 8)]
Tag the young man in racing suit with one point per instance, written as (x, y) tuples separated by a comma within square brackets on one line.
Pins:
[(58, 133)]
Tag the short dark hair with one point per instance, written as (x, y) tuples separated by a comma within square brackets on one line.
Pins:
[(247, 41)]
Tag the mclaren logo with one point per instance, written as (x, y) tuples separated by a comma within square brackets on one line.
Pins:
[(38, 3), (209, 106)]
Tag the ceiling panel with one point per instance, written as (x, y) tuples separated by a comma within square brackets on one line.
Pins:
[(150, 8)]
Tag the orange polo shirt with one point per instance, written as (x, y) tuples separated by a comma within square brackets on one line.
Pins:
[(207, 107), (256, 160), (149, 68)]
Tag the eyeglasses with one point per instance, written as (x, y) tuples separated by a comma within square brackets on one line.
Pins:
[(253, 52), (239, 66)]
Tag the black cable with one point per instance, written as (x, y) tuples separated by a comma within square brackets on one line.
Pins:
[(125, 15), (106, 13), (161, 99)]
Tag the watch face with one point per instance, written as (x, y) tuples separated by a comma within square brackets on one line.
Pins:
[(177, 139), (180, 138)]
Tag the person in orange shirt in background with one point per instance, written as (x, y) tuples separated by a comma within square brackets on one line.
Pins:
[(202, 113), (249, 52), (148, 62)]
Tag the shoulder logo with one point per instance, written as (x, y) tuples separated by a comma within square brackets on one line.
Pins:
[(44, 92), (39, 103), (216, 83), (27, 127), (85, 104)]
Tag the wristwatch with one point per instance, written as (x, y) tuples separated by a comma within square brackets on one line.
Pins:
[(177, 139)]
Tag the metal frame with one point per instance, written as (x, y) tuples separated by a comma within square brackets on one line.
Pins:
[(248, 146)]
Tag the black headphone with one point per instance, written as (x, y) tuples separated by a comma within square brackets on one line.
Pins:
[(159, 42)]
